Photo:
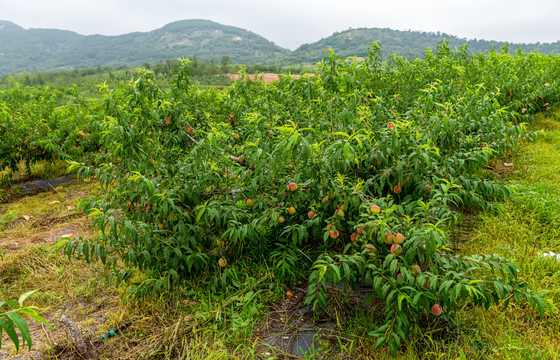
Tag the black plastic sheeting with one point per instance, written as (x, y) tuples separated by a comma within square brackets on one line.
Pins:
[(35, 186)]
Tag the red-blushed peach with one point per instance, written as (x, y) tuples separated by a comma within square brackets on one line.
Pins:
[(396, 249), (436, 310)]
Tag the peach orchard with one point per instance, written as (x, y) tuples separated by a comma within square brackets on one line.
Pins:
[(352, 175)]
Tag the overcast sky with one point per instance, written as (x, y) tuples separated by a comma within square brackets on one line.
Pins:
[(290, 23)]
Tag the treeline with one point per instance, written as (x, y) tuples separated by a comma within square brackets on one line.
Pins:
[(206, 73)]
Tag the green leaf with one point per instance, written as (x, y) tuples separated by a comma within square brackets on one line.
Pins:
[(32, 313), (8, 326), (25, 296), (22, 326)]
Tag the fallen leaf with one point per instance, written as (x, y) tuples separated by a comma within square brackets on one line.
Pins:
[(54, 202), (70, 207), (81, 132), (26, 217), (508, 164), (289, 293), (66, 235)]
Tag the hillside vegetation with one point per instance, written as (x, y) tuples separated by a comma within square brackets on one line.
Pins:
[(409, 44), (47, 50), (51, 50)]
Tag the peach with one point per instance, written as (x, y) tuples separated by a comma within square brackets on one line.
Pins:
[(436, 310), (389, 238)]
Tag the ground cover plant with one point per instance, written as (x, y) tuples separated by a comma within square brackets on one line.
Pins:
[(351, 175)]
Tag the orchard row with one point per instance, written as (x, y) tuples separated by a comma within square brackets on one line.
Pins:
[(352, 174)]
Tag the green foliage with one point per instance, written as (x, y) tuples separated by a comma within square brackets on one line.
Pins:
[(6, 219), (12, 320), (407, 137), (35, 128)]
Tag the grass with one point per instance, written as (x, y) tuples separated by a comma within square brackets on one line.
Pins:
[(191, 323)]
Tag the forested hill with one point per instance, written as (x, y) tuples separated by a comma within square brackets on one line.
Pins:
[(410, 44), (51, 50)]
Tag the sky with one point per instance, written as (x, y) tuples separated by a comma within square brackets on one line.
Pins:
[(291, 23)]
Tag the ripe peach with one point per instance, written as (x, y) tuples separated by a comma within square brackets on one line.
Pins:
[(436, 310), (370, 247), (250, 202), (291, 210), (353, 236), (334, 234), (389, 238), (360, 230), (329, 226), (396, 249), (375, 209), (222, 262), (416, 269), (339, 212), (310, 214), (391, 126), (281, 219), (399, 238), (397, 189), (189, 129), (399, 276), (292, 186)]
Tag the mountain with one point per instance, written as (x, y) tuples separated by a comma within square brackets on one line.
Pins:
[(51, 50), (410, 44)]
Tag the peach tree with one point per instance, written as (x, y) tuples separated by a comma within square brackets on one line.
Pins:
[(337, 168)]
